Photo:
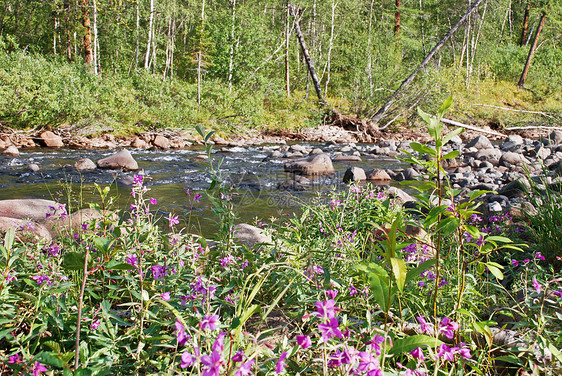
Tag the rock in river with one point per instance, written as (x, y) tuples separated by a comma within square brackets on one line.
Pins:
[(122, 159), (314, 165)]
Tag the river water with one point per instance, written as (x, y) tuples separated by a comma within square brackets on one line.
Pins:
[(171, 173)]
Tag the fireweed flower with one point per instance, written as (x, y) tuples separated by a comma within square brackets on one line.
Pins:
[(423, 325), (245, 369), (132, 260), (218, 345), (172, 220), (213, 363), (448, 327), (536, 285), (187, 359), (515, 263), (165, 296), (238, 357), (181, 335), (463, 351), (159, 271), (226, 261), (209, 322), (304, 341), (375, 344), (42, 278), (539, 256), (330, 330), (15, 359), (38, 368), (197, 197), (336, 359), (446, 353), (153, 201), (332, 293), (368, 363), (95, 324), (327, 309), (417, 353), (281, 363)]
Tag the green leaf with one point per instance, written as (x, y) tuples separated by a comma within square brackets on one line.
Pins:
[(448, 225), (502, 239), (115, 265), (452, 134), (494, 268), (446, 105), (73, 261), (405, 345), (209, 135), (415, 272), (200, 129), (102, 244), (421, 148), (379, 289), (399, 270), (9, 239), (451, 155)]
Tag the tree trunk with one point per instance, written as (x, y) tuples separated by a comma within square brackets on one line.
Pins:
[(287, 34), (88, 53), (66, 6), (150, 33), (231, 54), (330, 46), (379, 114), (397, 18), (137, 35), (55, 36), (525, 27), (307, 57), (96, 41), (532, 51)]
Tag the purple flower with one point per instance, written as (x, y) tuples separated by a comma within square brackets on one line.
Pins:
[(38, 368), (352, 290), (181, 335), (332, 293), (218, 345), (448, 327), (213, 363), (153, 201), (558, 293), (245, 369), (463, 350), (41, 278), (131, 260), (172, 220), (317, 269), (327, 309), (536, 285), (336, 359), (423, 325), (238, 357), (446, 353), (209, 322), (137, 180), (417, 353), (368, 363), (281, 363), (330, 330), (95, 324), (375, 344), (15, 359), (227, 260), (197, 197), (165, 296), (159, 271), (515, 263), (187, 359), (539, 256), (304, 341)]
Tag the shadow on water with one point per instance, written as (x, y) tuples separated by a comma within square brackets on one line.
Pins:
[(171, 174)]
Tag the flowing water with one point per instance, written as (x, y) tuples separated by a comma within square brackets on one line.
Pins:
[(172, 173)]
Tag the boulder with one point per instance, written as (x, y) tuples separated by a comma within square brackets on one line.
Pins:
[(85, 164), (347, 158), (161, 142), (249, 235), (354, 174), (314, 165), (512, 142), (316, 151), (11, 151), (25, 230), (555, 137), (512, 159), (34, 167), (480, 142), (488, 155), (399, 195), (516, 188), (291, 185), (378, 174), (121, 160), (34, 209), (51, 140), (139, 143)]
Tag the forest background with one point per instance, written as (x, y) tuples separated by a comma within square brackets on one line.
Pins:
[(125, 66)]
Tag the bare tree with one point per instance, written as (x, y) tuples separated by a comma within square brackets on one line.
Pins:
[(532, 50)]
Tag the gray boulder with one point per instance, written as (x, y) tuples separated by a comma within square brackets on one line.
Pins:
[(25, 230), (512, 159), (11, 151), (354, 174), (121, 160), (377, 174), (488, 155), (161, 142), (314, 165), (85, 164), (51, 140), (480, 142), (249, 235), (34, 209)]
